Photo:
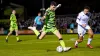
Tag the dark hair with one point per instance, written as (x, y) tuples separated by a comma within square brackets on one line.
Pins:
[(53, 3), (87, 7), (39, 12), (13, 10)]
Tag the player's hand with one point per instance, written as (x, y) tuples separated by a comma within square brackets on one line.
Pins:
[(41, 19), (84, 25), (59, 5)]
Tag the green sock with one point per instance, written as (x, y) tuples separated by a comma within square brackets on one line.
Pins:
[(62, 43), (7, 37), (36, 32), (17, 38)]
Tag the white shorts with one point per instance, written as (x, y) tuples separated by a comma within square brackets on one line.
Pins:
[(82, 30)]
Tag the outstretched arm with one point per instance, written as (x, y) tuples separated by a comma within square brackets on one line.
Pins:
[(46, 13), (59, 5)]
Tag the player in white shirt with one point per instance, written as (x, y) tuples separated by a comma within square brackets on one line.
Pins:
[(83, 26)]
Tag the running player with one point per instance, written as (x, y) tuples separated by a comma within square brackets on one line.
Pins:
[(83, 26), (50, 26), (13, 26)]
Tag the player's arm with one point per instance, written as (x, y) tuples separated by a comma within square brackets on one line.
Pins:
[(46, 13), (78, 21), (42, 18), (35, 20), (12, 18), (59, 5), (34, 23)]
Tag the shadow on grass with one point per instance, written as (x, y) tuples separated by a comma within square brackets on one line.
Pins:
[(48, 50), (97, 47)]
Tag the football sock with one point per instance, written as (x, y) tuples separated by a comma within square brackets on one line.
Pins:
[(39, 35), (62, 43), (76, 43), (7, 37), (17, 38), (36, 32), (89, 40)]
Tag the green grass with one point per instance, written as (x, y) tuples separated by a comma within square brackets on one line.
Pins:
[(30, 46)]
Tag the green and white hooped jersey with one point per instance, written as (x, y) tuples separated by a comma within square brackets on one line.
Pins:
[(13, 20), (50, 19)]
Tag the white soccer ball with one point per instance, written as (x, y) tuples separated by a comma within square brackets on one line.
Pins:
[(59, 49)]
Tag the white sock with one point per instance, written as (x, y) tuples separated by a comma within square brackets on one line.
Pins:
[(76, 43), (89, 40)]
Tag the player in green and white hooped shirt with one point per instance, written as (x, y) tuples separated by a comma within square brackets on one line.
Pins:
[(13, 26), (50, 25)]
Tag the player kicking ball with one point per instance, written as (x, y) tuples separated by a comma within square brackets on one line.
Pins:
[(83, 26), (50, 26), (13, 26)]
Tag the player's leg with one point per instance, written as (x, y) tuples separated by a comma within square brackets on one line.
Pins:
[(57, 33), (11, 30), (81, 33), (80, 39), (43, 33), (39, 35), (39, 28), (30, 27), (34, 30), (90, 32), (8, 36), (17, 37)]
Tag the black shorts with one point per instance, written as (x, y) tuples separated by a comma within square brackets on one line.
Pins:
[(39, 27)]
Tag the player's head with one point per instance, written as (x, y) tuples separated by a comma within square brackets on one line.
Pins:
[(39, 13), (13, 11), (53, 5), (86, 9)]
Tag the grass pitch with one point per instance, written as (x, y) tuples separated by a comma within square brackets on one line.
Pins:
[(30, 46)]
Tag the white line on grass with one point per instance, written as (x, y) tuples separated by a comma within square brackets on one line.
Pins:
[(71, 39)]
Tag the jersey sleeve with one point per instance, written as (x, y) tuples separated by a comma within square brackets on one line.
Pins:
[(46, 12), (35, 19), (11, 17), (78, 19)]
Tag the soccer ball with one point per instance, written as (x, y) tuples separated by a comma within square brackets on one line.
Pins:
[(59, 49)]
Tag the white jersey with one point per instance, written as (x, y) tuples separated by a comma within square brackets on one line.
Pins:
[(83, 18)]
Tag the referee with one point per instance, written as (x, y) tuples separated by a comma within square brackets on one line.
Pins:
[(38, 22)]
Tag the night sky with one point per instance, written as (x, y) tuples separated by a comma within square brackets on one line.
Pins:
[(68, 6)]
